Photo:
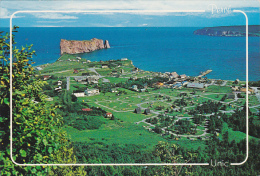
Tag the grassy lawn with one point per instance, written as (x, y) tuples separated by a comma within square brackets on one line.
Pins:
[(234, 135), (131, 117), (116, 80), (219, 89), (215, 96), (252, 100), (113, 133), (104, 71)]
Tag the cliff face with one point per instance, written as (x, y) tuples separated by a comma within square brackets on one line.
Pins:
[(75, 47), (211, 32), (253, 30)]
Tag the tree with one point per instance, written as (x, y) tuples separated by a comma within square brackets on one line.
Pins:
[(37, 137), (169, 153)]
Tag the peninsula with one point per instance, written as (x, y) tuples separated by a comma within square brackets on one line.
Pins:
[(229, 31), (85, 46)]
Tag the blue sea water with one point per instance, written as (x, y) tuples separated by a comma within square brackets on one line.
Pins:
[(155, 49)]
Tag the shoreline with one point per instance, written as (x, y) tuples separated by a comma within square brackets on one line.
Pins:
[(76, 55)]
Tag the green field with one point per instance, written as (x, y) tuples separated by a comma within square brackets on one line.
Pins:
[(125, 128)]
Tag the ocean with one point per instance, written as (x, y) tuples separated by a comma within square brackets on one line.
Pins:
[(155, 49)]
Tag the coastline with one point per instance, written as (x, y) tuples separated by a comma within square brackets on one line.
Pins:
[(155, 49)]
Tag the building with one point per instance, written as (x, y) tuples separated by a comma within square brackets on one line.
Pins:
[(159, 84), (58, 89), (114, 72), (138, 110), (177, 85), (75, 71), (143, 90), (183, 76), (124, 59), (147, 111), (86, 109), (104, 66), (174, 75), (92, 79), (136, 69), (79, 94), (80, 78), (249, 90), (134, 77), (91, 92), (109, 115), (79, 58), (235, 88), (185, 83), (196, 85), (46, 77), (230, 96), (59, 83), (113, 90), (38, 68), (134, 87)]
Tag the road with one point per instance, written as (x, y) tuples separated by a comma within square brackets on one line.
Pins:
[(68, 83), (56, 72), (94, 70)]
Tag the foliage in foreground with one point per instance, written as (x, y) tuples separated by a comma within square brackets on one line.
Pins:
[(35, 126)]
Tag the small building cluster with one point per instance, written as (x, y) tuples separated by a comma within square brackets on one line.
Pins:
[(87, 92), (87, 79), (58, 89), (91, 92), (139, 111)]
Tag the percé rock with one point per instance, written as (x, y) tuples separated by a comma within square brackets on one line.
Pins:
[(85, 46)]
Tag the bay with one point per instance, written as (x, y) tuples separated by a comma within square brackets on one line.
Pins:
[(155, 49)]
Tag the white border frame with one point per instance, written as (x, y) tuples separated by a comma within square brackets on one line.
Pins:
[(121, 164)]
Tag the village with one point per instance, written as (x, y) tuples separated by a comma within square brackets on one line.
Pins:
[(159, 102)]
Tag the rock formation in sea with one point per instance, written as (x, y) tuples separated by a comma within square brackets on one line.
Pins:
[(106, 45), (85, 46)]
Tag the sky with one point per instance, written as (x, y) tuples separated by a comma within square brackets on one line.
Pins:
[(217, 13)]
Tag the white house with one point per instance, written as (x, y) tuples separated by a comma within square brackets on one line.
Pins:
[(195, 85), (79, 94), (38, 68), (134, 87), (91, 92)]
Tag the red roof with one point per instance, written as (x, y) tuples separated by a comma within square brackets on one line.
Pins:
[(86, 109), (108, 113), (46, 76)]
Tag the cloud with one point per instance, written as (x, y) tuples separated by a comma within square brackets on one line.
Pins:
[(60, 21), (45, 26), (124, 18), (125, 5), (4, 13), (53, 16)]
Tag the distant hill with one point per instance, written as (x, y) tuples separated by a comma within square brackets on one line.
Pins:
[(253, 30)]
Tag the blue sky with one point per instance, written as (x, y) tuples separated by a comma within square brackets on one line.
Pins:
[(218, 13)]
